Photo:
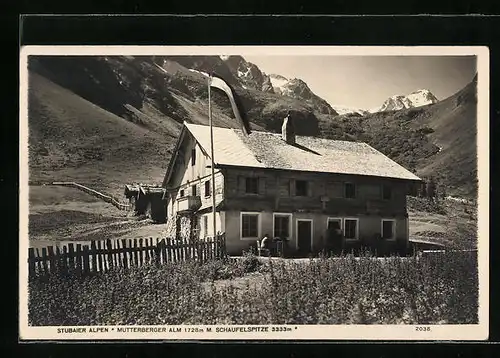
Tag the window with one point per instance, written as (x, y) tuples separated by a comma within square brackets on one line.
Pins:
[(193, 190), (300, 188), (351, 229), (386, 192), (388, 229), (282, 225), (182, 193), (252, 185), (334, 223), (193, 156), (350, 190), (249, 225), (207, 188)]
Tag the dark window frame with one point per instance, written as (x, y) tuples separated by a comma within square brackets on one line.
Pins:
[(393, 229), (193, 157), (208, 189), (278, 229), (303, 191), (181, 193), (356, 228), (346, 192), (254, 182), (248, 232), (194, 190)]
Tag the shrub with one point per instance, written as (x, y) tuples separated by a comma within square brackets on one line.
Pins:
[(345, 290)]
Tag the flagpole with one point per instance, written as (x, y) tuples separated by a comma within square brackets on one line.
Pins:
[(212, 155)]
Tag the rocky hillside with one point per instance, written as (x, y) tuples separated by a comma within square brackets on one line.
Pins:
[(136, 105)]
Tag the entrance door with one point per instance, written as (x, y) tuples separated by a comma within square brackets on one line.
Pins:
[(304, 235)]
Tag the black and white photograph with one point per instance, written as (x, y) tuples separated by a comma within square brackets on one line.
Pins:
[(254, 192)]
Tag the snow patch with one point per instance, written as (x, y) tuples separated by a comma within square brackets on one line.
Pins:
[(348, 110), (201, 73), (224, 57), (278, 81)]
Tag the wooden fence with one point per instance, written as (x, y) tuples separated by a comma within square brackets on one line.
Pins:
[(104, 255), (107, 198)]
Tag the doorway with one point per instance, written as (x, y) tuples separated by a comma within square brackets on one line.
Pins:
[(304, 235)]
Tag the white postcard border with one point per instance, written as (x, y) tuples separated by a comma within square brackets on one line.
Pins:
[(299, 332)]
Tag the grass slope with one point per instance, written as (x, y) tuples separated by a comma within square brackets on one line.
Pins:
[(70, 138)]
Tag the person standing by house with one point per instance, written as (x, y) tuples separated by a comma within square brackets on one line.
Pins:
[(265, 244), (336, 238)]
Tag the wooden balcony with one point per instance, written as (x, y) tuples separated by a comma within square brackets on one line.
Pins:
[(188, 204)]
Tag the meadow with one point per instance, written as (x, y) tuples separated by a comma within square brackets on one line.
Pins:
[(436, 289)]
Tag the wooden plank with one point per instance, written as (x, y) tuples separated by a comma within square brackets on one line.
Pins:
[(31, 262), (167, 253), (65, 258), (100, 257), (93, 252), (78, 257), (51, 259), (109, 255), (147, 250), (58, 260), (141, 252), (124, 253), (130, 251), (45, 269), (157, 254), (136, 253), (117, 261), (71, 257), (175, 249), (86, 259)]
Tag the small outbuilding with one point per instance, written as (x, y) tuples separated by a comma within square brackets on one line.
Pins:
[(147, 200)]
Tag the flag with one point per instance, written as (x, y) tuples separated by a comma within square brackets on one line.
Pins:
[(217, 82)]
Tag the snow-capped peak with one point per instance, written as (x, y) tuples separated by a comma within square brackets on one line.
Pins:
[(224, 57), (418, 98), (278, 82)]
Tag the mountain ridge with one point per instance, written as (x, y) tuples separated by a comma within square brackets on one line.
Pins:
[(155, 94)]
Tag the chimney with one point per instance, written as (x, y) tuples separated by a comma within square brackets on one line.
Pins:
[(288, 130)]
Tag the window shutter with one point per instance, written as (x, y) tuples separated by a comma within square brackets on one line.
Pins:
[(292, 187), (262, 186)]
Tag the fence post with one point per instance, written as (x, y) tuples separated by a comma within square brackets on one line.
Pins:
[(31, 262), (86, 259), (136, 253), (78, 256), (71, 256), (65, 258), (167, 250), (94, 256), (124, 253), (52, 259), (100, 256), (157, 254), (44, 261), (141, 253), (109, 251)]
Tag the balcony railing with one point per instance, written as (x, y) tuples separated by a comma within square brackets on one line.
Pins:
[(188, 203)]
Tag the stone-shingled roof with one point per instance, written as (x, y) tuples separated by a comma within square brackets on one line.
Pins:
[(310, 154)]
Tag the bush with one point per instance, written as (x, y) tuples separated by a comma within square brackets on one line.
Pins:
[(345, 290)]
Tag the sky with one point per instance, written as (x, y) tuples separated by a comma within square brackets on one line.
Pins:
[(365, 82)]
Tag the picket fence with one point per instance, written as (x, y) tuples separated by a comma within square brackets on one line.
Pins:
[(105, 255)]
